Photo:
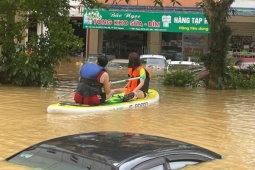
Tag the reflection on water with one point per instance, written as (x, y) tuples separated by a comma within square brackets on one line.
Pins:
[(222, 121)]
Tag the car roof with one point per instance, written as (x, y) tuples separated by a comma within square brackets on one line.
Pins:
[(117, 147), (111, 56), (247, 59), (119, 61), (182, 62), (152, 56)]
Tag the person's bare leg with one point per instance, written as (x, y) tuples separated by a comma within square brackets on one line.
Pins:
[(115, 91), (138, 95)]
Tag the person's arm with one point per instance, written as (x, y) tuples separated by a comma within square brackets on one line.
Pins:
[(139, 86), (104, 79)]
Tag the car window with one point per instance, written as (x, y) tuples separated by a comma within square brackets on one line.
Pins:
[(33, 158), (177, 161), (152, 164), (153, 61), (248, 64), (143, 60), (113, 65), (159, 167), (181, 164), (157, 61), (92, 59)]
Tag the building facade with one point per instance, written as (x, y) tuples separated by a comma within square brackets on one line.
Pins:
[(174, 44)]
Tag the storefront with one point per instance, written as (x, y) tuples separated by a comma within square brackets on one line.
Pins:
[(120, 43), (242, 42), (172, 34)]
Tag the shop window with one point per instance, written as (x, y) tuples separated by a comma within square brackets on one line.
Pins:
[(194, 44), (171, 45), (241, 43), (121, 43)]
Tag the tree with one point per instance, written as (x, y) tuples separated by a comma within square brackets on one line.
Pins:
[(33, 63), (216, 13)]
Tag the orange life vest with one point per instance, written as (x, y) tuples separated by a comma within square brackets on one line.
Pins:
[(132, 84)]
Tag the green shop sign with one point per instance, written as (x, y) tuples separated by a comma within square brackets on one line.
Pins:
[(145, 21)]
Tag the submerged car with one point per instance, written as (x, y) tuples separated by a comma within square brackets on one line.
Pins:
[(118, 63), (182, 63), (112, 151), (154, 62), (92, 58), (243, 64)]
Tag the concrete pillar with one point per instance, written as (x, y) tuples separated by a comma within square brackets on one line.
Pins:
[(93, 41), (154, 42), (100, 41)]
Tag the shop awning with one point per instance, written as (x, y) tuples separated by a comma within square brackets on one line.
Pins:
[(238, 11), (156, 8)]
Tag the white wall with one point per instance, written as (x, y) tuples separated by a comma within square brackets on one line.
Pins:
[(71, 2), (244, 3), (77, 11)]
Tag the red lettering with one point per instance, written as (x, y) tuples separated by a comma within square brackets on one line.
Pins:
[(136, 23), (153, 24), (120, 22), (102, 22)]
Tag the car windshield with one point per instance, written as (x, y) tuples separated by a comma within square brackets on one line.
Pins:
[(247, 64), (118, 63), (54, 158), (153, 61), (92, 59)]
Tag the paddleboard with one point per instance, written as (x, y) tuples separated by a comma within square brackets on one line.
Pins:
[(112, 104)]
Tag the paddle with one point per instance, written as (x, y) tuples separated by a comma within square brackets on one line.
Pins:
[(63, 95), (114, 82), (125, 80)]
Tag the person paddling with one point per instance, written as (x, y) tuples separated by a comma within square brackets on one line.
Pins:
[(135, 88), (93, 77)]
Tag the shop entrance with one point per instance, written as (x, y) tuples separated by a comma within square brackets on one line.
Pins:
[(121, 43), (171, 46)]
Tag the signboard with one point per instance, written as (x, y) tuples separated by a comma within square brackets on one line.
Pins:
[(145, 21)]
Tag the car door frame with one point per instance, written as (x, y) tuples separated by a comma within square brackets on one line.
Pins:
[(167, 159), (152, 163)]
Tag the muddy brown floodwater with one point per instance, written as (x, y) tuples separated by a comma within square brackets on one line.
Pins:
[(222, 121)]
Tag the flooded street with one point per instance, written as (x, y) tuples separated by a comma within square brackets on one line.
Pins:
[(222, 121)]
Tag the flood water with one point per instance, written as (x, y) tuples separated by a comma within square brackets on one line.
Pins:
[(222, 121)]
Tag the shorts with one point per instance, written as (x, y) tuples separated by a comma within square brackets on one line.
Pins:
[(144, 93), (90, 100)]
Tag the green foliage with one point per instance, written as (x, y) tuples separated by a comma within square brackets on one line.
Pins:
[(199, 56), (29, 70), (216, 13), (20, 68), (180, 78), (242, 80)]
